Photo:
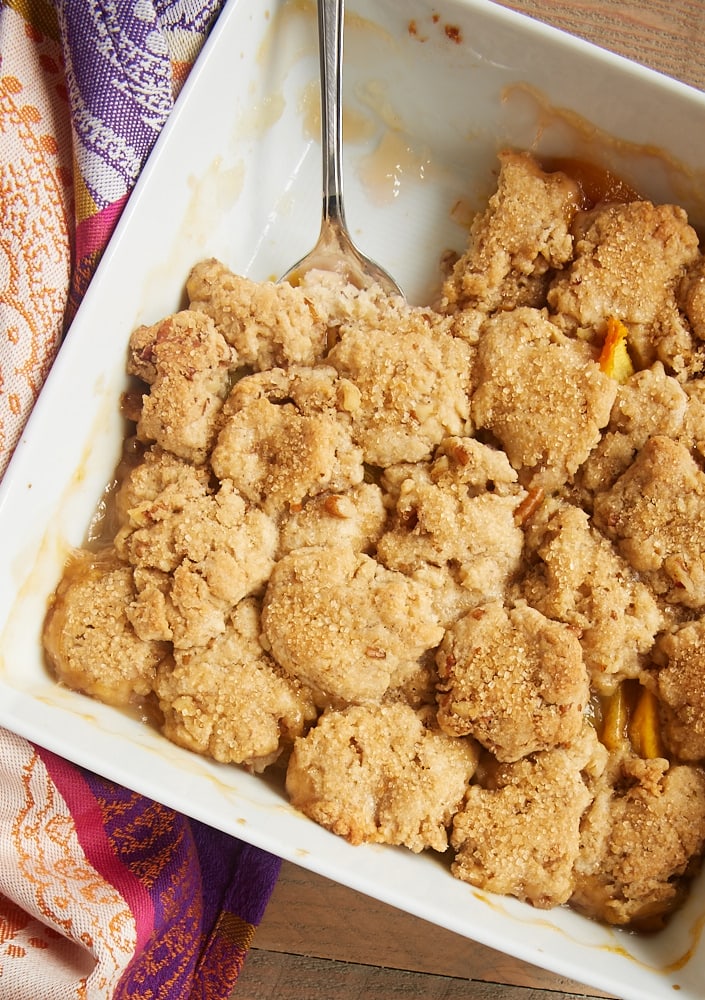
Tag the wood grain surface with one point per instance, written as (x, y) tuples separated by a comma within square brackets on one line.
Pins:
[(662, 34), (322, 940)]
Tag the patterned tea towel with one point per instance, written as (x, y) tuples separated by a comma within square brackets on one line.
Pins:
[(104, 894)]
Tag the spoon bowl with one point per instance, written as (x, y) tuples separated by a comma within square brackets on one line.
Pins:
[(335, 249)]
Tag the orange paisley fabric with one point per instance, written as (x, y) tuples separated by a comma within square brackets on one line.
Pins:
[(104, 894)]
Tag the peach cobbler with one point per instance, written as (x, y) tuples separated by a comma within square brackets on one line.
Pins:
[(442, 566)]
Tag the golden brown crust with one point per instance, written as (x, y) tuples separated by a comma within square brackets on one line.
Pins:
[(680, 683), (286, 436), (196, 549), (655, 514), (446, 518), (512, 679), (629, 261), (356, 517), (442, 529), (267, 324), (646, 824), (412, 378), (520, 835), (515, 243), (344, 624), (186, 362), (650, 403), (578, 578), (88, 637), (229, 700), (541, 394), (381, 775)]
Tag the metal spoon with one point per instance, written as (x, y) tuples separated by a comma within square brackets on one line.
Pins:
[(335, 249)]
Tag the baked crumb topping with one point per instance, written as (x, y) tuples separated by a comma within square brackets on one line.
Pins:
[(443, 567)]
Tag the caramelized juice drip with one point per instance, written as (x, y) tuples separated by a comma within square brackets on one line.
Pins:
[(597, 184), (104, 523)]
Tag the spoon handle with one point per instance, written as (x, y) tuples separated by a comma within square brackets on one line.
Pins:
[(335, 249), (330, 32)]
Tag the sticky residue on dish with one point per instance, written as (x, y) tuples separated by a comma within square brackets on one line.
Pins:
[(391, 165), (648, 168)]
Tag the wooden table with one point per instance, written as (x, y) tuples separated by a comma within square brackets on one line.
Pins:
[(322, 940)]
